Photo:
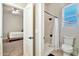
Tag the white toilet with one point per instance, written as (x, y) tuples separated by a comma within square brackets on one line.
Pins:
[(67, 46)]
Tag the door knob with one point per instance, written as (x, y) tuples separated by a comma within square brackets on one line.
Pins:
[(31, 37)]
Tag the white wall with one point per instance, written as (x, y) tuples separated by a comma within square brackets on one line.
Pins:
[(11, 23)]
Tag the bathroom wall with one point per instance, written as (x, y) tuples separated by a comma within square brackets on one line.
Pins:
[(11, 23), (56, 10), (48, 26)]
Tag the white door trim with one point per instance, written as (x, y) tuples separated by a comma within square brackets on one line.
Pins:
[(39, 29), (1, 37)]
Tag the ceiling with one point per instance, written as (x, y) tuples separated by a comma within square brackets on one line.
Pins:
[(9, 8), (19, 5), (22, 5)]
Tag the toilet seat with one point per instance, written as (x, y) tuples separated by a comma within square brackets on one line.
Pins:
[(67, 48)]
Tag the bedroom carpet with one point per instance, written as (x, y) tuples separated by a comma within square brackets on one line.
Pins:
[(13, 48)]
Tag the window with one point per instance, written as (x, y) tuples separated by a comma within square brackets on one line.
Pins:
[(70, 15)]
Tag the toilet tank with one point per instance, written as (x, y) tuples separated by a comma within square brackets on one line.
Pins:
[(68, 40)]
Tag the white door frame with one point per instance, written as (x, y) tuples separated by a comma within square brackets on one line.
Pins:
[(1, 22), (29, 30), (39, 16)]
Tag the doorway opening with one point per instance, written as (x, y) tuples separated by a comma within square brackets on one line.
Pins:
[(12, 31)]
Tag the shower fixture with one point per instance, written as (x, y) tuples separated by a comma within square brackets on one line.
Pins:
[(50, 19)]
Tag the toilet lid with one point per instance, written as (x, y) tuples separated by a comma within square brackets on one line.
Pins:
[(67, 47)]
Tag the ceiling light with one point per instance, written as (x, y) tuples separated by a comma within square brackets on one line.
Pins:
[(15, 11)]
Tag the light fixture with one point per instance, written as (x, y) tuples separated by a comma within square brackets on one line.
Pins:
[(15, 11)]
